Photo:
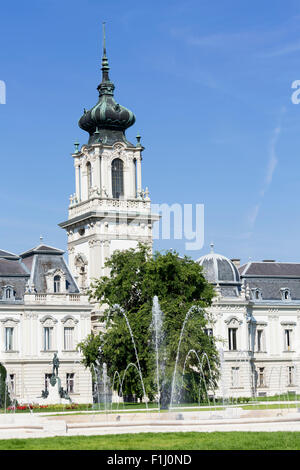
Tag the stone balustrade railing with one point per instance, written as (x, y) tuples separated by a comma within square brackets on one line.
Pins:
[(97, 203), (57, 298)]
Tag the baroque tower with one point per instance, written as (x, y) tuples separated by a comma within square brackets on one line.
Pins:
[(109, 210)]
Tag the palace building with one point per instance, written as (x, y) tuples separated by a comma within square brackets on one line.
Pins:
[(44, 306), (257, 322)]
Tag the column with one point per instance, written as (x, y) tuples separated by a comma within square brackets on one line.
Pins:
[(104, 188), (139, 174), (77, 181), (133, 178), (96, 182), (84, 186)]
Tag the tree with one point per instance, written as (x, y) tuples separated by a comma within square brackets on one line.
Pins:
[(178, 282), (5, 400)]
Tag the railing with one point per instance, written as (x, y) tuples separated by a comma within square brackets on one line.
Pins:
[(109, 204), (58, 298)]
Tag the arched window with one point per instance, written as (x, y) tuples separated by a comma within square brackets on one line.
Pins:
[(117, 178), (89, 175), (56, 284), (285, 293), (9, 293)]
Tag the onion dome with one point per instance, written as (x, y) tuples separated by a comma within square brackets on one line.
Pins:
[(107, 121)]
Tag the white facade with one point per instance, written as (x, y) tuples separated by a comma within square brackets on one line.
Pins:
[(28, 359), (42, 312), (99, 222), (259, 337)]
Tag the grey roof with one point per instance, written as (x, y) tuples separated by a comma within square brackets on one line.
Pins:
[(33, 265), (221, 271), (42, 249), (12, 273), (45, 263), (8, 255), (44, 259), (12, 267), (218, 269), (271, 277), (265, 268)]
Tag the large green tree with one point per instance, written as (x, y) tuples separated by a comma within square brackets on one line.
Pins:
[(183, 293)]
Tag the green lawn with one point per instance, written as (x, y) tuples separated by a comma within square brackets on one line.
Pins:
[(163, 441)]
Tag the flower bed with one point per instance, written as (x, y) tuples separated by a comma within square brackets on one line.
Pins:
[(36, 408)]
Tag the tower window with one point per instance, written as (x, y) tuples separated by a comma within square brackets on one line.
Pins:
[(117, 178), (89, 175), (56, 284)]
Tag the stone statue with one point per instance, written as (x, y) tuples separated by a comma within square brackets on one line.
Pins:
[(55, 362)]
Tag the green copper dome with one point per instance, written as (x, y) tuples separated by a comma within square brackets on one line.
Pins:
[(107, 121)]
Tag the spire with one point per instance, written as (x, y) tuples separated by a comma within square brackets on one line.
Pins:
[(105, 67), (106, 87), (107, 120)]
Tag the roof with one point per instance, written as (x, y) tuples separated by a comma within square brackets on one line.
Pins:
[(42, 249), (221, 271), (12, 268), (270, 269), (8, 255)]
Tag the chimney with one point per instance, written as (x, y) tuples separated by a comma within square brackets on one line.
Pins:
[(236, 262)]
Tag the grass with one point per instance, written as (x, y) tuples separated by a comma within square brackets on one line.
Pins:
[(163, 441), (270, 406)]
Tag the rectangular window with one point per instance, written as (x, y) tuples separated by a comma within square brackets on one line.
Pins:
[(288, 339), (47, 381), (68, 339), (208, 331), (48, 334), (291, 370), (235, 377), (70, 383), (261, 377), (9, 339), (259, 341), (12, 383), (232, 335)]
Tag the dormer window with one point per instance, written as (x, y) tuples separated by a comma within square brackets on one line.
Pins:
[(8, 293), (56, 281), (285, 294), (256, 294)]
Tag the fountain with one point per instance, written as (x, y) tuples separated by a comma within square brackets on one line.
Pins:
[(196, 418)]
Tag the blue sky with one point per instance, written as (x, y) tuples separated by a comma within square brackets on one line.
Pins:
[(210, 85)]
